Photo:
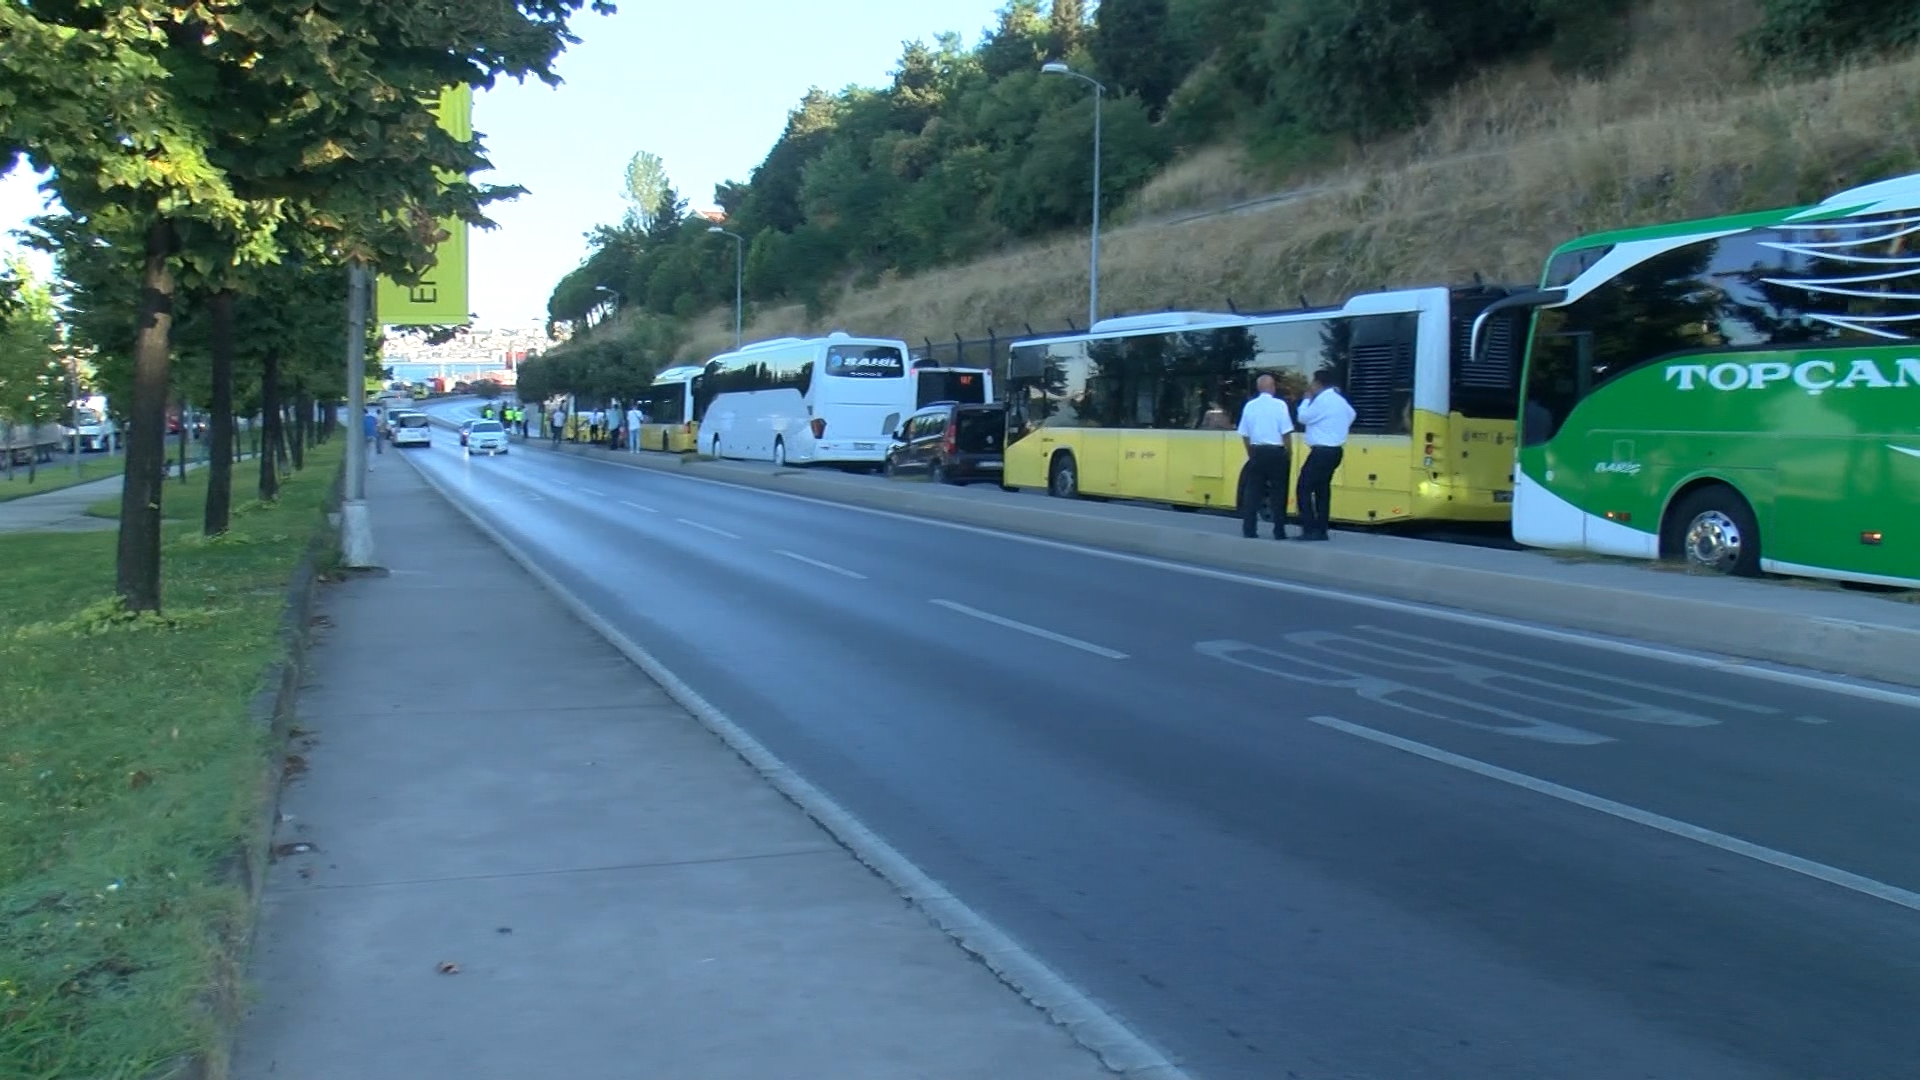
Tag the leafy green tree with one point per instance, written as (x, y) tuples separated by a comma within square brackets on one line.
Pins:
[(191, 132), (1066, 27), (1129, 43), (33, 380), (646, 185)]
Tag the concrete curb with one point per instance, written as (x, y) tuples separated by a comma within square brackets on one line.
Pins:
[(1847, 647), (272, 709), (1117, 1047)]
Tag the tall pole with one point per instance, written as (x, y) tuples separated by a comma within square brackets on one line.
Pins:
[(1059, 67), (1093, 268), (356, 527), (739, 273), (73, 408)]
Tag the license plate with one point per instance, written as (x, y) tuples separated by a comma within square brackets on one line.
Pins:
[(1503, 496), (863, 446)]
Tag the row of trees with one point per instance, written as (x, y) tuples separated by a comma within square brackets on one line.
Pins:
[(220, 166), (968, 148)]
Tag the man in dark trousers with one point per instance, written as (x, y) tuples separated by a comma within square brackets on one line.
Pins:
[(1328, 417), (1264, 426)]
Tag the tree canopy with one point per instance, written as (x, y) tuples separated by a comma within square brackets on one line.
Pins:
[(248, 149)]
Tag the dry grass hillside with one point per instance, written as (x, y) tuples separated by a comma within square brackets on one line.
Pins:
[(1507, 168)]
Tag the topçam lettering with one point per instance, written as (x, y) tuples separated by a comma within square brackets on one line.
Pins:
[(1811, 376)]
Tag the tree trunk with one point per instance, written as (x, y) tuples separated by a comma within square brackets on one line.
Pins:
[(137, 560), (283, 442), (220, 423), (269, 426), (299, 440)]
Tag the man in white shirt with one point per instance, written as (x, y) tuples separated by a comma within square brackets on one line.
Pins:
[(633, 428), (1327, 417), (597, 429), (1265, 424)]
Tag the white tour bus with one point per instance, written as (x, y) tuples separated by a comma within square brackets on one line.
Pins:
[(834, 400)]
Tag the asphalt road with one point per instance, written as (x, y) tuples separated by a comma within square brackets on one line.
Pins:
[(1288, 835)]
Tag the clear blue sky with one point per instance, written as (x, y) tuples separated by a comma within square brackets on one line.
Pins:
[(707, 89)]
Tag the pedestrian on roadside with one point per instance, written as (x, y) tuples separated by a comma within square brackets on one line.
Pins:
[(599, 425), (1328, 417), (634, 419), (559, 425), (371, 427), (1265, 424)]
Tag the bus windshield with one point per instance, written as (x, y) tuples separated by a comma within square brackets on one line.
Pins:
[(950, 384)]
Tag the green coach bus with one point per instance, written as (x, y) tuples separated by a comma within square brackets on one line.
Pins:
[(1741, 392)]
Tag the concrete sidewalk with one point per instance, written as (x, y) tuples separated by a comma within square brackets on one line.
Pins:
[(60, 510), (527, 861)]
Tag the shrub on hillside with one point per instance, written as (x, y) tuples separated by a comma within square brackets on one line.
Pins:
[(1813, 34)]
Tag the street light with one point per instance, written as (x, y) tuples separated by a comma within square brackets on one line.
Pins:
[(1056, 67), (739, 267), (615, 293)]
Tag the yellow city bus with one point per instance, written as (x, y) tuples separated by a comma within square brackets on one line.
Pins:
[(670, 424), (1147, 407)]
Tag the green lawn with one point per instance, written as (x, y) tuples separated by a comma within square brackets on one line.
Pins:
[(130, 777), (55, 477)]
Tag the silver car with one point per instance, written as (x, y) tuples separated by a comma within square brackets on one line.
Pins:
[(486, 437)]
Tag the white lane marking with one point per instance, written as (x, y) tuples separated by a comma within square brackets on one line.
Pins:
[(1720, 664), (637, 506), (1090, 1025), (1497, 681), (708, 528), (1025, 628), (590, 491), (841, 570), (1865, 886), (1567, 669), (1401, 696), (1904, 450)]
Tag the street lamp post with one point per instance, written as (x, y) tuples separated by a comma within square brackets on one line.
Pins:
[(1057, 67), (739, 269), (615, 293)]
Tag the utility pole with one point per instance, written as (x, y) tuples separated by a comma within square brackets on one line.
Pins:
[(356, 526)]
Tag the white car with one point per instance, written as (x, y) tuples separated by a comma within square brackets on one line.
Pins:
[(486, 437), (410, 429)]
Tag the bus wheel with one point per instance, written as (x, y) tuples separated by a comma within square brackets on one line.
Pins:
[(1713, 528), (1063, 478), (779, 453)]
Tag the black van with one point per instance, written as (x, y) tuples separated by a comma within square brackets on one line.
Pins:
[(951, 443)]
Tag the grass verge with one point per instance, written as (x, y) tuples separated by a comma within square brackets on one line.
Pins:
[(54, 477), (131, 776)]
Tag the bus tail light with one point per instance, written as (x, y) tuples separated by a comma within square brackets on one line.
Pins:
[(819, 426)]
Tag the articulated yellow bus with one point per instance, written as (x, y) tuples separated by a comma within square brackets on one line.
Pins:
[(1147, 407), (670, 424)]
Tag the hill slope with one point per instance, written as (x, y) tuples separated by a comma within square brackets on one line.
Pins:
[(1507, 168)]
